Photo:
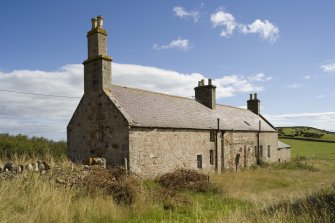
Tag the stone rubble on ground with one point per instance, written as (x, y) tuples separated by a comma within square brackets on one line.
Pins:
[(9, 170)]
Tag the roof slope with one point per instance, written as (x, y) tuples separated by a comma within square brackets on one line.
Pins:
[(282, 145), (151, 109)]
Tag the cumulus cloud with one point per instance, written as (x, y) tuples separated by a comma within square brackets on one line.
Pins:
[(178, 44), (265, 29), (226, 20), (182, 13), (328, 68), (172, 82), (307, 77), (322, 120), (259, 77), (48, 116)]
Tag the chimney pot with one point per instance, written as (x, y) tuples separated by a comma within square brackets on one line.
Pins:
[(255, 96), (100, 20), (202, 82), (209, 81), (250, 96), (94, 23)]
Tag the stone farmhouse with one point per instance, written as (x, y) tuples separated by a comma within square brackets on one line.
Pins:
[(151, 133)]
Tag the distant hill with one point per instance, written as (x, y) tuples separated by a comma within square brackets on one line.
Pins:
[(304, 132)]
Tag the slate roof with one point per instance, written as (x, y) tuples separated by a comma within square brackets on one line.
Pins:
[(152, 109), (282, 145)]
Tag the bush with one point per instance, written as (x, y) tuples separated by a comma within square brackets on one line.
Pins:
[(23, 146)]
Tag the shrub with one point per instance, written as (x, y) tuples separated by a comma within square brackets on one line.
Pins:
[(23, 146)]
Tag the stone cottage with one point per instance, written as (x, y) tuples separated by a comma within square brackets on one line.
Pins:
[(151, 133)]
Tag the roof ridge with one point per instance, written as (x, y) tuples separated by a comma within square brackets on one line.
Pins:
[(171, 95), (244, 109), (155, 92)]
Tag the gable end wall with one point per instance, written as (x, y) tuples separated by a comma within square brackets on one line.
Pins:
[(98, 129)]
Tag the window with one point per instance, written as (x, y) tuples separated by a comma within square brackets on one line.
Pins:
[(255, 151), (199, 161), (269, 148), (261, 151), (211, 157), (212, 136)]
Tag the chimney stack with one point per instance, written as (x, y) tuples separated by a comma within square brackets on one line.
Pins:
[(254, 104), (205, 94), (97, 67)]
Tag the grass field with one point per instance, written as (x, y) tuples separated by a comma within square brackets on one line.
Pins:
[(316, 150)]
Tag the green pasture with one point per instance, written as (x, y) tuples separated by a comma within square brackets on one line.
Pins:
[(310, 149)]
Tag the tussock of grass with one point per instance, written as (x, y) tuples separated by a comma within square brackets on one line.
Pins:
[(316, 207), (296, 164)]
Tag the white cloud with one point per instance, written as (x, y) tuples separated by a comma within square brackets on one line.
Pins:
[(259, 77), (265, 29), (328, 68), (48, 116), (182, 13), (227, 20), (172, 82), (294, 86), (179, 44), (322, 120), (307, 77)]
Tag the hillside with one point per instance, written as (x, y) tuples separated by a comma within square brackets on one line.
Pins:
[(306, 133)]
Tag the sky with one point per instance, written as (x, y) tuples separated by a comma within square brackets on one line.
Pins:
[(282, 50)]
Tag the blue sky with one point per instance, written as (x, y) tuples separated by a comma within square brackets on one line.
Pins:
[(283, 50)]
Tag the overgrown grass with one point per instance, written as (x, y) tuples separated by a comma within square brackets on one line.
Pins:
[(254, 195), (297, 163), (298, 191)]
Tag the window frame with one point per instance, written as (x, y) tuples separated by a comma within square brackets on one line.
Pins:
[(199, 161)]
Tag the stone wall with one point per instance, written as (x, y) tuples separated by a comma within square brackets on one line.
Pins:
[(284, 155), (98, 129), (238, 149), (153, 151)]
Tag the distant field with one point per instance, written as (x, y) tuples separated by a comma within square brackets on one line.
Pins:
[(318, 150), (306, 132)]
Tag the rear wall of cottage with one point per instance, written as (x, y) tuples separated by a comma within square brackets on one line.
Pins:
[(154, 151)]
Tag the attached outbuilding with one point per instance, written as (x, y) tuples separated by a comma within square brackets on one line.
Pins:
[(284, 152)]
